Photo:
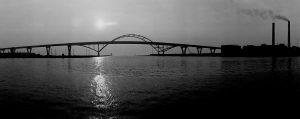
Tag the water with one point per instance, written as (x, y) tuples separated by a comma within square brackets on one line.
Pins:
[(146, 87)]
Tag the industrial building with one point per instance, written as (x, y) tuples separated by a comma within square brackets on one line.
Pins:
[(263, 50)]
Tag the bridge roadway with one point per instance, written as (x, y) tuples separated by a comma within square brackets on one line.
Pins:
[(160, 47)]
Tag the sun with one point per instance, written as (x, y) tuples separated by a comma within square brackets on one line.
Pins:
[(101, 24)]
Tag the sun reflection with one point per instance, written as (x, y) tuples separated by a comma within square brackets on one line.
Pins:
[(102, 97)]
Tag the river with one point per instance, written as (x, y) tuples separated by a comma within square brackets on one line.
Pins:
[(146, 86)]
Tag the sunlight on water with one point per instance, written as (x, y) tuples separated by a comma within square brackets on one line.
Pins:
[(145, 87), (102, 97)]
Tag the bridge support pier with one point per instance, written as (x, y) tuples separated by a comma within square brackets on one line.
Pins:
[(98, 51), (29, 50), (183, 50), (162, 49), (158, 49), (212, 51), (48, 49), (69, 50), (199, 51), (12, 50)]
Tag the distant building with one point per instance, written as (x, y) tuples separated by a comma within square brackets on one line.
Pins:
[(251, 50), (231, 50), (259, 51)]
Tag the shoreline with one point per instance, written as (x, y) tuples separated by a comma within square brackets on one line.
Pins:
[(159, 55), (90, 56)]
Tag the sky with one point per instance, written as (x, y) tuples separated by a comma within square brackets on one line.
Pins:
[(201, 22)]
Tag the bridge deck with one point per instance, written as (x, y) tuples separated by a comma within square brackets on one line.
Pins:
[(113, 42)]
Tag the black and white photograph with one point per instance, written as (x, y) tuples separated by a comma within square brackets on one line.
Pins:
[(149, 59)]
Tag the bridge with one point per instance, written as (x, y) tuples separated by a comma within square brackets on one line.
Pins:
[(159, 47)]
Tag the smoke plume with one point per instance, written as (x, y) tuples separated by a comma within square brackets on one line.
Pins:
[(244, 8), (264, 14), (281, 18)]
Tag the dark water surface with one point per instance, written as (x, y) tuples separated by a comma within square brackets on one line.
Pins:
[(148, 87)]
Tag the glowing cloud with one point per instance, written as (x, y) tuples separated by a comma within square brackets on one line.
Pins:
[(101, 24)]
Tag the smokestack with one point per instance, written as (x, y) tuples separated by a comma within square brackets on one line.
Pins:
[(273, 34), (289, 34)]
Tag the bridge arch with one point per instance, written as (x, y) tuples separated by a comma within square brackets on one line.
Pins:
[(143, 38), (140, 37)]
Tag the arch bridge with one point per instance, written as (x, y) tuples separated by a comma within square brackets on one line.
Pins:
[(159, 47)]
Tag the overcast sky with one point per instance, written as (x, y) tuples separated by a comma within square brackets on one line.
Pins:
[(202, 22)]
